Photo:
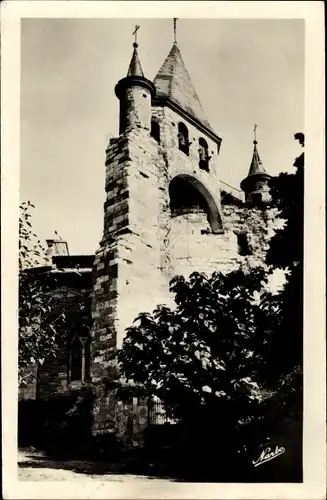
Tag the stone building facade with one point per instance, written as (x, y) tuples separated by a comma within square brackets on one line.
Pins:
[(166, 213)]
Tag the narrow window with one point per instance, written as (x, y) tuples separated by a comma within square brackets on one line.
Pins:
[(203, 155), (155, 131), (76, 359), (79, 358), (256, 199), (87, 358), (243, 245), (183, 142)]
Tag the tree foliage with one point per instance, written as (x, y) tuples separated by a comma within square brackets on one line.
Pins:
[(211, 350), (38, 320), (286, 252), (287, 192)]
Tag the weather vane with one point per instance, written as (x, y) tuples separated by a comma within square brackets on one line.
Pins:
[(175, 19), (255, 132), (135, 34)]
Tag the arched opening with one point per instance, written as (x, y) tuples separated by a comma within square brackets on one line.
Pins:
[(189, 196), (155, 130), (185, 198), (183, 142), (203, 155)]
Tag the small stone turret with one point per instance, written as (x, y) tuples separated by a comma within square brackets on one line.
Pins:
[(135, 93), (256, 184)]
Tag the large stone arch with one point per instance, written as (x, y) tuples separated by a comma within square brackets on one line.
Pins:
[(213, 205)]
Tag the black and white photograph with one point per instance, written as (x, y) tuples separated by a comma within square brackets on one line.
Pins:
[(161, 252)]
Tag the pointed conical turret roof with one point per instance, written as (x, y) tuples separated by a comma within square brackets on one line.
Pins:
[(256, 166), (173, 84), (135, 68), (135, 76), (256, 170)]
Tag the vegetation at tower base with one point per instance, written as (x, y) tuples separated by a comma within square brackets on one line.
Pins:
[(227, 362), (38, 321), (206, 361)]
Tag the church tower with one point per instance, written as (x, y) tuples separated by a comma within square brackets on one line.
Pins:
[(162, 213), (256, 184)]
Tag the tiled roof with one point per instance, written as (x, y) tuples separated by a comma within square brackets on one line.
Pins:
[(173, 83)]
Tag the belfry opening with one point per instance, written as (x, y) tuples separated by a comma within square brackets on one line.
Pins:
[(185, 198), (191, 200)]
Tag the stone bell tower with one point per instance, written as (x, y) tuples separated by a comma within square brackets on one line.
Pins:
[(127, 265), (162, 213)]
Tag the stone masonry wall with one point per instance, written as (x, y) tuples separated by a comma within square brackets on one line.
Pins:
[(53, 375), (128, 277), (28, 389), (194, 251)]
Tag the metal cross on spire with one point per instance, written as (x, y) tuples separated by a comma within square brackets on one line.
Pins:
[(255, 132), (175, 39), (135, 34)]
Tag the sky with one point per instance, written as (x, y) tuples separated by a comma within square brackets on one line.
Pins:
[(245, 72)]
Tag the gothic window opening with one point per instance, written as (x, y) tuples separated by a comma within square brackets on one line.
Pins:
[(183, 140), (79, 357), (155, 131), (203, 155)]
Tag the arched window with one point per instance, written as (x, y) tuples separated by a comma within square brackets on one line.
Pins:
[(79, 358), (203, 155), (183, 142), (155, 130)]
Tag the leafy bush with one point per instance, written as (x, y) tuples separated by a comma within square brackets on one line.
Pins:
[(58, 425), (61, 426)]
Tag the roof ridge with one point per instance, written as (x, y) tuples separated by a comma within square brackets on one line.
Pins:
[(189, 77)]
